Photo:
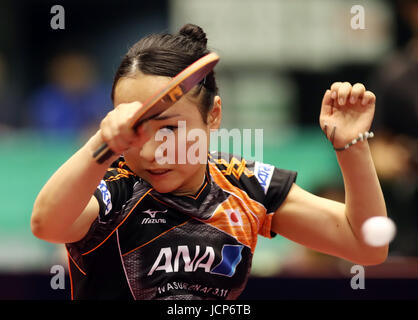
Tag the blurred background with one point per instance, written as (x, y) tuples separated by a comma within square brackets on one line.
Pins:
[(277, 59)]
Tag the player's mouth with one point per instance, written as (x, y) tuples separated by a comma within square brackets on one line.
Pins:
[(158, 172)]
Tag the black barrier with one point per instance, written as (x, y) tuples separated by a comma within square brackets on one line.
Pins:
[(38, 287)]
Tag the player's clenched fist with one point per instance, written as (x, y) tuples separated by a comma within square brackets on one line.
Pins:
[(347, 110), (116, 128)]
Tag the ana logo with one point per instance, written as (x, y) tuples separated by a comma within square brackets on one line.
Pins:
[(234, 217), (231, 257), (106, 197), (152, 218), (263, 173)]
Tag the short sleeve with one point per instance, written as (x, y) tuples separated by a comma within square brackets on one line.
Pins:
[(266, 184), (113, 191), (276, 184)]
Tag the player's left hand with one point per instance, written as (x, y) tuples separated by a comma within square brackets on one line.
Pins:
[(350, 109)]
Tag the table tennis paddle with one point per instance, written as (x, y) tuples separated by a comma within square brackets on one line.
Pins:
[(166, 97)]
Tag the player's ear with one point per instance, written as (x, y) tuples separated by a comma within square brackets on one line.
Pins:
[(215, 114)]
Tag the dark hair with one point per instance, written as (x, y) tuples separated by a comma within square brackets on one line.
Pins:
[(167, 55)]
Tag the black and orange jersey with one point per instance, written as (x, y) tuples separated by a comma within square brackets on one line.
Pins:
[(147, 245)]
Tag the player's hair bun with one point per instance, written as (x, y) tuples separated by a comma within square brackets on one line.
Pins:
[(195, 33)]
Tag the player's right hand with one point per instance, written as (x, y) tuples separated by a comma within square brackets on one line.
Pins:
[(116, 128)]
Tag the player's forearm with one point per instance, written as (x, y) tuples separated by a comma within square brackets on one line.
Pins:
[(68, 191), (363, 194)]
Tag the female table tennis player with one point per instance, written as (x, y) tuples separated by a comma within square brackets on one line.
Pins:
[(136, 229)]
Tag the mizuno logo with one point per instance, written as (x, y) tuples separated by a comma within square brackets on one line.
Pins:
[(152, 213), (152, 219)]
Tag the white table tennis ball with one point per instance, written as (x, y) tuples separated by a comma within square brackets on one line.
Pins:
[(378, 231)]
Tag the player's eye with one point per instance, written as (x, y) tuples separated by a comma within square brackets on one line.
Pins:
[(168, 127)]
